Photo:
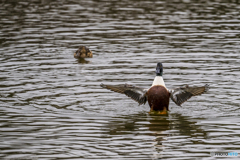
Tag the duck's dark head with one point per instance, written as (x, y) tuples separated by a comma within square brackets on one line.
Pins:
[(159, 69)]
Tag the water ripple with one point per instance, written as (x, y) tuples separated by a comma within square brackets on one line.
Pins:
[(52, 106)]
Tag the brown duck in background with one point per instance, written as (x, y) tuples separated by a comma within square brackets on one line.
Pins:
[(158, 95), (83, 52)]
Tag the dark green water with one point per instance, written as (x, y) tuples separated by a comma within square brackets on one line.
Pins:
[(52, 107)]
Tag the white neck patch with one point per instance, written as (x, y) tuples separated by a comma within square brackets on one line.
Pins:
[(158, 80)]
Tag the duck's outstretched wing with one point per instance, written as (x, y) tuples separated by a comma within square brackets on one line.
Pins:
[(182, 94), (136, 93)]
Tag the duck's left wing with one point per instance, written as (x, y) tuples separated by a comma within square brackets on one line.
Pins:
[(182, 94), (136, 93)]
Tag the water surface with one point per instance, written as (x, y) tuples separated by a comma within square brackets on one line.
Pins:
[(52, 106)]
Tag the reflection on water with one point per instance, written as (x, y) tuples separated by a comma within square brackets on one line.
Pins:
[(164, 133), (83, 61), (51, 104)]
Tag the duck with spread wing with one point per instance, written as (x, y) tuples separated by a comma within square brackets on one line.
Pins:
[(158, 95)]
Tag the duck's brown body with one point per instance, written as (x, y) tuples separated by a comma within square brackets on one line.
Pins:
[(158, 98), (83, 52)]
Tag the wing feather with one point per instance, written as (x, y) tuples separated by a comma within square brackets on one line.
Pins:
[(136, 93), (182, 94)]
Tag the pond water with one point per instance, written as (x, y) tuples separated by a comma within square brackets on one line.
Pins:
[(52, 105)]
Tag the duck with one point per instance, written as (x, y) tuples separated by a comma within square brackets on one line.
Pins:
[(158, 95), (83, 52)]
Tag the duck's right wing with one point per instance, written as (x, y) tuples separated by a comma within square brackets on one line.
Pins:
[(182, 94), (136, 93)]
